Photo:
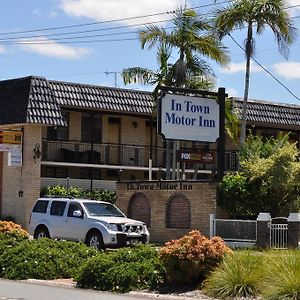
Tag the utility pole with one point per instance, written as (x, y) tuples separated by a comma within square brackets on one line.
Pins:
[(115, 74)]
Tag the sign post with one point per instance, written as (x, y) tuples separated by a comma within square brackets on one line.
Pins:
[(190, 115)]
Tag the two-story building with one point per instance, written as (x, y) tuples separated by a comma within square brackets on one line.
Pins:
[(92, 136)]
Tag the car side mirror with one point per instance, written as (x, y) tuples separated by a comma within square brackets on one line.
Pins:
[(77, 214)]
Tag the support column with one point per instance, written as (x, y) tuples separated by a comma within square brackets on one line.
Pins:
[(294, 230), (263, 230)]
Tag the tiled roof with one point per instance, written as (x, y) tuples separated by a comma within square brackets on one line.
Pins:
[(39, 101), (102, 98), (269, 112), (28, 100)]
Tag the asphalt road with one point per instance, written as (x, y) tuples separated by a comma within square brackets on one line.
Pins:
[(16, 290)]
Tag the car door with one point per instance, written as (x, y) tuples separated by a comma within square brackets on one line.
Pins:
[(74, 226), (56, 220)]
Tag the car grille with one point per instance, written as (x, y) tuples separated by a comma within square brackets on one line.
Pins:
[(128, 228)]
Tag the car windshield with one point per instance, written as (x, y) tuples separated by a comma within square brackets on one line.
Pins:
[(102, 209)]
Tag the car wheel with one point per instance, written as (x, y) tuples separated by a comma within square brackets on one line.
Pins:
[(41, 232), (95, 240)]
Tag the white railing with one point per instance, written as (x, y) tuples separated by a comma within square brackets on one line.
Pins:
[(81, 183), (279, 236)]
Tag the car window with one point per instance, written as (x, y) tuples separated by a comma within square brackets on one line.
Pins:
[(57, 208), (40, 206), (102, 209), (72, 207)]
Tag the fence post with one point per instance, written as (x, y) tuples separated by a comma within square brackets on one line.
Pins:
[(263, 230), (294, 230), (211, 225)]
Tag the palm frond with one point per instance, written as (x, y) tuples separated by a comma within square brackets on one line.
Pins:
[(138, 75)]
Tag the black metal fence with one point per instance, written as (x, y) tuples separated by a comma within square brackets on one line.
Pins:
[(119, 154)]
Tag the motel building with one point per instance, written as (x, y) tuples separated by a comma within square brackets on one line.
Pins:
[(64, 133)]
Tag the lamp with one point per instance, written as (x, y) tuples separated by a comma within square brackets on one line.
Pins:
[(134, 124), (37, 151)]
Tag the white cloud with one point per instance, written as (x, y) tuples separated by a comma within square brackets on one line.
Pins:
[(288, 70), (2, 49), (294, 6), (53, 49), (115, 9), (239, 67), (231, 92)]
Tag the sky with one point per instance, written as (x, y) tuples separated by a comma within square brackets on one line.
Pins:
[(92, 41)]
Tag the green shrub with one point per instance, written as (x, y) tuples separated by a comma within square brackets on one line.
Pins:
[(9, 240), (103, 195), (189, 259), (238, 276), (43, 259), (283, 276), (122, 270)]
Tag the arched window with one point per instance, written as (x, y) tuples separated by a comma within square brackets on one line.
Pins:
[(139, 208), (178, 212)]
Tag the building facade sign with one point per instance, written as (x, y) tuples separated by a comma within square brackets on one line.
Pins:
[(188, 118), (10, 148), (11, 137), (196, 156), (15, 159)]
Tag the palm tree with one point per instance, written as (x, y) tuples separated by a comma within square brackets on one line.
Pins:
[(192, 37), (255, 16), (148, 76)]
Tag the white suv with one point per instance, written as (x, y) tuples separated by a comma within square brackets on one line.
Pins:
[(99, 224)]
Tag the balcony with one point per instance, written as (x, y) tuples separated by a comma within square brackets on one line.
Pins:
[(119, 155), (102, 154)]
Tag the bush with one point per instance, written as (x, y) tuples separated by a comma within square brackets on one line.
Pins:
[(122, 270), (189, 259), (9, 240), (43, 259), (283, 276), (239, 275), (103, 195), (13, 229)]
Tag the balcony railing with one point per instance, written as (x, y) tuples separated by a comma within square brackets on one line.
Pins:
[(119, 154)]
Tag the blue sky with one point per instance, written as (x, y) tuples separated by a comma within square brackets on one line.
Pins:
[(98, 61)]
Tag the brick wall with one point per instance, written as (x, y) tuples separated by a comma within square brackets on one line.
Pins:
[(1, 180), (21, 185), (139, 208), (200, 195), (178, 211)]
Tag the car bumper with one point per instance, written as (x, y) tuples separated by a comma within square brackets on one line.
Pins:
[(123, 240)]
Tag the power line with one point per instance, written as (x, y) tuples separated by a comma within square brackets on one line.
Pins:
[(107, 21), (266, 70)]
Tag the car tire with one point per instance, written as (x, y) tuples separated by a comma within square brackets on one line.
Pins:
[(95, 240), (41, 232)]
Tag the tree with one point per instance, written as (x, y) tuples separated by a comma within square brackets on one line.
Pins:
[(270, 180), (193, 38), (249, 14)]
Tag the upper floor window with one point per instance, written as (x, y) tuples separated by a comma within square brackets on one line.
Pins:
[(91, 128), (59, 133)]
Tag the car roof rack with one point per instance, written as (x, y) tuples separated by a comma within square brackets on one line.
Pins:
[(58, 197)]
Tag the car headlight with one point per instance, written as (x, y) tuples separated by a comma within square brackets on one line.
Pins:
[(112, 227)]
